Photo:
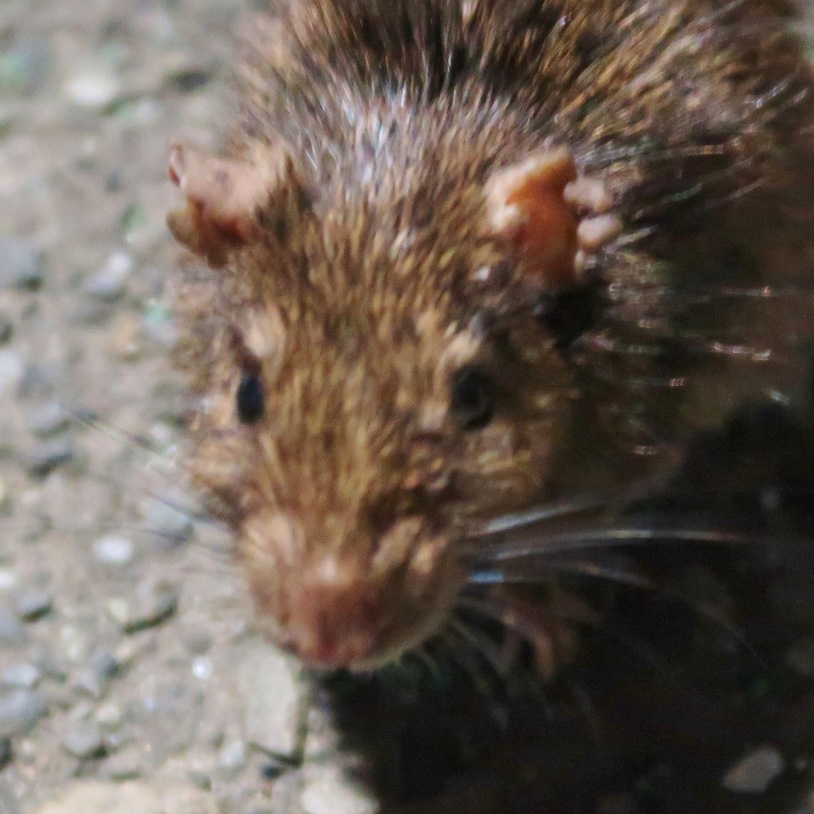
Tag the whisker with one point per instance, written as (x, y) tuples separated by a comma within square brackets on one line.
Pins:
[(529, 544), (577, 505), (587, 620), (631, 579), (480, 644), (113, 432)]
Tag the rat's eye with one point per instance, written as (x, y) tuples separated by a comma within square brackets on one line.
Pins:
[(250, 402), (473, 398)]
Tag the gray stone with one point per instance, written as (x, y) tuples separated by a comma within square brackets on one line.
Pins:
[(8, 802), (33, 603), (48, 419), (169, 524), (153, 603), (22, 676), (125, 765), (273, 701), (20, 264), (83, 740), (94, 679), (12, 370), (110, 282), (40, 380), (25, 66), (19, 712), (109, 716), (329, 790), (12, 631), (754, 773), (48, 456), (114, 550)]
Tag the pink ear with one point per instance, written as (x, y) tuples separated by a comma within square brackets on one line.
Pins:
[(222, 197), (533, 206)]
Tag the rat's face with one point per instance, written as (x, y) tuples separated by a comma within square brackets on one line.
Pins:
[(359, 418)]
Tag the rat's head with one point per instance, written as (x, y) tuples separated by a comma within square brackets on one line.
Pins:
[(359, 412)]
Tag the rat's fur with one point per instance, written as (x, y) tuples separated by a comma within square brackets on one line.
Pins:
[(365, 289)]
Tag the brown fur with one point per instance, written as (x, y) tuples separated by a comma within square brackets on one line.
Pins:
[(360, 298)]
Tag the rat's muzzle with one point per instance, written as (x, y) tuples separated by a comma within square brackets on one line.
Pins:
[(354, 605)]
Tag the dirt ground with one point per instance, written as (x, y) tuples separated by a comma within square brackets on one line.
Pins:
[(130, 679)]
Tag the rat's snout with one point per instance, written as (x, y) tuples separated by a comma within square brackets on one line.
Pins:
[(333, 625), (349, 602)]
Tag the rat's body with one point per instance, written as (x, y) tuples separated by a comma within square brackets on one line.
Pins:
[(405, 182)]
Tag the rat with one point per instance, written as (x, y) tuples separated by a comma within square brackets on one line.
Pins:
[(448, 263)]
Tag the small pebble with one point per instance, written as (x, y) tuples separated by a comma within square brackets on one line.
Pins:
[(329, 791), (109, 715), (234, 756), (24, 66), (114, 550), (754, 773), (110, 282), (19, 712), (125, 342), (89, 682), (22, 676), (20, 264), (83, 741), (48, 456), (48, 419), (131, 649), (202, 668), (95, 86), (12, 370), (152, 604), (12, 631), (166, 522), (40, 380), (33, 603), (127, 764)]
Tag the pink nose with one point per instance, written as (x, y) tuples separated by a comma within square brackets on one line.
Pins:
[(333, 627)]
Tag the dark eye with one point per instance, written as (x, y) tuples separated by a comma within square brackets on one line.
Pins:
[(250, 402), (473, 398)]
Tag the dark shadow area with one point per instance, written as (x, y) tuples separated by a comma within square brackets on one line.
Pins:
[(665, 697)]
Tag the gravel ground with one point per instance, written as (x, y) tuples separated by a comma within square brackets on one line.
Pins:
[(123, 648), (130, 679)]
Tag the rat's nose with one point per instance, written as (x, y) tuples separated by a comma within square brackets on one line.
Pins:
[(334, 625)]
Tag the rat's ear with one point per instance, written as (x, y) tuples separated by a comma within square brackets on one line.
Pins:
[(223, 198), (535, 206)]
